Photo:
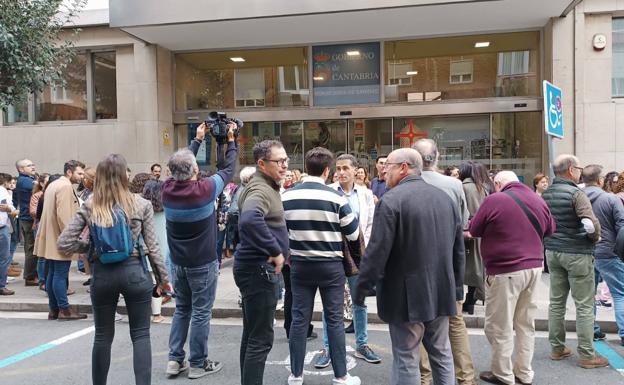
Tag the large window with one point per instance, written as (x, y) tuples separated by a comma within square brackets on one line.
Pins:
[(71, 101), (274, 77), (617, 80), (464, 67)]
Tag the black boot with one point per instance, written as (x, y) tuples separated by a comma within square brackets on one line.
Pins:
[(350, 329)]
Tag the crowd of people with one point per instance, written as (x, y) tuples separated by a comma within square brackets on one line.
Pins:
[(414, 236)]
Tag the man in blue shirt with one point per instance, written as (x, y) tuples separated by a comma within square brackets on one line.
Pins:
[(378, 184), (21, 201)]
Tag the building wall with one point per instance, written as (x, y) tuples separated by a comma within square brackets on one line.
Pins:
[(144, 114), (593, 119)]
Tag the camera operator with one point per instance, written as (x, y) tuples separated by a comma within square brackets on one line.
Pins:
[(189, 205)]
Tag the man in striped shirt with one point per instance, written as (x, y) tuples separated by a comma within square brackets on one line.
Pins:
[(317, 218)]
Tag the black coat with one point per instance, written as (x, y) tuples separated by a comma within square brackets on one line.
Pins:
[(415, 258)]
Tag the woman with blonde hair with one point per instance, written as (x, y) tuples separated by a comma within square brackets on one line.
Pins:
[(111, 207)]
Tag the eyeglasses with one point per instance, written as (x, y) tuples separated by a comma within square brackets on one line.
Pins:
[(30, 165), (578, 168), (280, 162), (385, 165)]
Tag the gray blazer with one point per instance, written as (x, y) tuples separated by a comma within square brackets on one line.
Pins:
[(415, 258)]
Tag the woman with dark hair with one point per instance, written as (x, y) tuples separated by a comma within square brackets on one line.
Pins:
[(610, 180), (477, 185), (618, 187), (361, 177), (452, 171), (112, 203)]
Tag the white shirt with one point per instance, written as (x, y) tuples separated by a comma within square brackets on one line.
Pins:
[(5, 198)]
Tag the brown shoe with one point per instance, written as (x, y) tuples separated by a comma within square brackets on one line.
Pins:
[(560, 355), (491, 378), (5, 291), (69, 315), (31, 282), (70, 291), (14, 272), (592, 363), (53, 314)]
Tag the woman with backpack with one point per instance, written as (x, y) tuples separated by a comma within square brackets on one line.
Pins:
[(116, 218)]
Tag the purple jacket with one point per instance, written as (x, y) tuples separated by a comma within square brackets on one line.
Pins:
[(509, 241)]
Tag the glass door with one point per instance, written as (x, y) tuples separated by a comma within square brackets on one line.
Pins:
[(331, 134), (368, 139)]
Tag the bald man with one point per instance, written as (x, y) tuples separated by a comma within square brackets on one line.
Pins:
[(409, 234), (511, 225)]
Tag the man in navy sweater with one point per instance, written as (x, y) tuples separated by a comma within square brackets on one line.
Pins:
[(511, 225), (189, 205)]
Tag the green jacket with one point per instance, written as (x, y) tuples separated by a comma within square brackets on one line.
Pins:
[(568, 205)]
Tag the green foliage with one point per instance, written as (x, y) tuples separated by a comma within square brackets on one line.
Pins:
[(33, 52)]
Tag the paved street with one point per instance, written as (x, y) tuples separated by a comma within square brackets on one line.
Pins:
[(69, 362)]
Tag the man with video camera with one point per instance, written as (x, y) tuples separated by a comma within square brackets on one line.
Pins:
[(189, 205)]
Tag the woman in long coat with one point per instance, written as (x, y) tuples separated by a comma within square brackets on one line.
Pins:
[(477, 185)]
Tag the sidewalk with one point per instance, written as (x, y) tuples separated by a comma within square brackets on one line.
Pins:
[(32, 299)]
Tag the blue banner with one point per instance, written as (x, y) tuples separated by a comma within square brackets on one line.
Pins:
[(346, 74)]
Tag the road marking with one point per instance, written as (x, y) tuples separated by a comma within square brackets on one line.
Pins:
[(44, 347), (351, 363), (615, 360)]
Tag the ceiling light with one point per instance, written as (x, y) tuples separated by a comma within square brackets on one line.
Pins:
[(237, 59), (353, 53), (410, 73), (482, 44), (319, 78)]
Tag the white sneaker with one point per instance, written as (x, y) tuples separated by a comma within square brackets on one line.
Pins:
[(174, 368), (10, 279), (292, 380), (118, 317), (349, 380)]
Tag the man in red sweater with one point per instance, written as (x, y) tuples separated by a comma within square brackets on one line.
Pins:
[(511, 224)]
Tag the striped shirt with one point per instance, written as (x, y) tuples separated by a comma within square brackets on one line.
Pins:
[(317, 217)]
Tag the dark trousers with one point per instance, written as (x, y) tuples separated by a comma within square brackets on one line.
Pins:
[(30, 262), (329, 278), (258, 285), (130, 279), (288, 303)]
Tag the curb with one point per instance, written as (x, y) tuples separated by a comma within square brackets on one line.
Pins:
[(472, 322)]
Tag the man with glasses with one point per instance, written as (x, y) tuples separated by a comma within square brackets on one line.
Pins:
[(21, 200), (569, 253), (260, 255), (414, 262)]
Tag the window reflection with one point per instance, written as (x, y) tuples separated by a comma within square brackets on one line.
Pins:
[(105, 79), (67, 102)]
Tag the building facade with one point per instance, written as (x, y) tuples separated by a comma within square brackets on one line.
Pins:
[(351, 76)]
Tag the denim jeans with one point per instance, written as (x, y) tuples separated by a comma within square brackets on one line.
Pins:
[(41, 270), (612, 271), (56, 286), (5, 255), (258, 285), (130, 279), (329, 278), (195, 289), (360, 319)]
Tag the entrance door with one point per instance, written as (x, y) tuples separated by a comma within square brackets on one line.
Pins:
[(368, 139), (331, 134)]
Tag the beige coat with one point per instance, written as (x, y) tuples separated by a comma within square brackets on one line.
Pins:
[(60, 203)]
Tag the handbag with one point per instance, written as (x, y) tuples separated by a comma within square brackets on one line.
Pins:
[(352, 252)]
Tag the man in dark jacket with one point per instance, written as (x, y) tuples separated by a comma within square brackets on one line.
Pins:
[(513, 255), (569, 253), (609, 210), (260, 256), (415, 263)]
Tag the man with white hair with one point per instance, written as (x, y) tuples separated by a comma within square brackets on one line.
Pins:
[(511, 225)]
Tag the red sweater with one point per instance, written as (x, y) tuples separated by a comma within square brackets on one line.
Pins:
[(508, 240)]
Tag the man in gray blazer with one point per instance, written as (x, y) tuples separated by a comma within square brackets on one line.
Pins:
[(418, 275)]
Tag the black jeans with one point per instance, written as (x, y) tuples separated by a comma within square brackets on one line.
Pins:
[(258, 285), (130, 279), (288, 303), (30, 261)]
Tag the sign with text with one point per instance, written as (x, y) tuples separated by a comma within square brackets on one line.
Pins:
[(346, 74)]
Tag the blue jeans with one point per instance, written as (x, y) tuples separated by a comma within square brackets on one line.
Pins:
[(360, 319), (329, 278), (41, 267), (195, 289), (56, 286), (612, 272), (5, 255)]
